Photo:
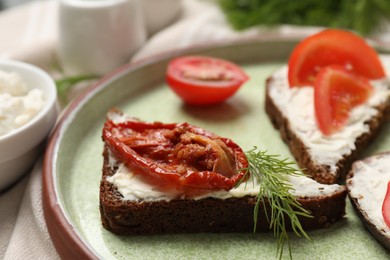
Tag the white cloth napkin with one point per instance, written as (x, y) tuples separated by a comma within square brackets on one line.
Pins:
[(29, 33), (203, 22), (33, 38), (26, 227)]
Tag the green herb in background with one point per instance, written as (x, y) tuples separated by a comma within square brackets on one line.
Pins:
[(273, 175), (362, 16), (65, 84)]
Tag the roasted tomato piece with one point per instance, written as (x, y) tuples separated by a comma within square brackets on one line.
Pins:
[(180, 155), (336, 92), (332, 47), (386, 206), (201, 80)]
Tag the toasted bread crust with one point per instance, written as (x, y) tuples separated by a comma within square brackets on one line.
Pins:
[(321, 173), (126, 217)]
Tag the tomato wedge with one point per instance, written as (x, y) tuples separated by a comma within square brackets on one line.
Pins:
[(201, 80), (331, 47), (386, 206), (180, 155), (336, 92)]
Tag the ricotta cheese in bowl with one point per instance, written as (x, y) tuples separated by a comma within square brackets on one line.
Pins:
[(18, 104), (28, 112)]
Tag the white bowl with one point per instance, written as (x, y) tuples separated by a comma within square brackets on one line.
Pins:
[(20, 148)]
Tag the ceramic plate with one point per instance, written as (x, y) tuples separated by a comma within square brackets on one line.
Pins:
[(73, 163)]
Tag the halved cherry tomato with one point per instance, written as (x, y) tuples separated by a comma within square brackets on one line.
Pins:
[(179, 155), (331, 47), (336, 92), (200, 80), (386, 206)]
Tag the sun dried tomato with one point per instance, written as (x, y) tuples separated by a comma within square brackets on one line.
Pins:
[(181, 155)]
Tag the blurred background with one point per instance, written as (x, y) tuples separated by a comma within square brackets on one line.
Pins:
[(4, 4)]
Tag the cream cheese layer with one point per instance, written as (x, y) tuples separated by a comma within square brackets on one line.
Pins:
[(132, 187)]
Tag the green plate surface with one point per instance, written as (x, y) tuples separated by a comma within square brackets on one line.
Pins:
[(141, 92)]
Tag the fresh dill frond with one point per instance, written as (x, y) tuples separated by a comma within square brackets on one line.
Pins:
[(272, 174)]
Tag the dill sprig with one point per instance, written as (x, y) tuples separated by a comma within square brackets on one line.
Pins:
[(273, 174)]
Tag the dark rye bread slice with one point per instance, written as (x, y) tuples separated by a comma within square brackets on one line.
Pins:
[(320, 172), (356, 180), (125, 217)]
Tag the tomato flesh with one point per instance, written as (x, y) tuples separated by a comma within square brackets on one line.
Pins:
[(386, 206), (336, 92), (201, 80), (179, 155), (332, 47)]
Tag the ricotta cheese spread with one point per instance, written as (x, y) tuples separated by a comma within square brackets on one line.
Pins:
[(132, 187), (18, 103), (297, 105), (369, 186)]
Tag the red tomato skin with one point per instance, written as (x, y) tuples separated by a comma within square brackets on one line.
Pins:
[(386, 206), (332, 47), (336, 92), (194, 95), (157, 173), (203, 92)]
